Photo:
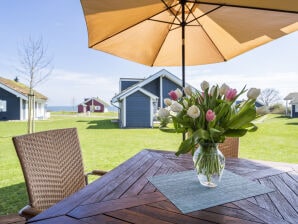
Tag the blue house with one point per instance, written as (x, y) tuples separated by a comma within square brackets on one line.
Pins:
[(139, 99), (14, 101)]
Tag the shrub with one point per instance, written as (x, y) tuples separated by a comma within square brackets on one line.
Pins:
[(277, 109), (262, 110)]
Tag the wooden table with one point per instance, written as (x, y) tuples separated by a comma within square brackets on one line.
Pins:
[(124, 195)]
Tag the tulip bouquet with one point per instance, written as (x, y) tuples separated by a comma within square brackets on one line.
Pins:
[(207, 117), (210, 115)]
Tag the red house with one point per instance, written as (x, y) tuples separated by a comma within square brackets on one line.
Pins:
[(93, 105)]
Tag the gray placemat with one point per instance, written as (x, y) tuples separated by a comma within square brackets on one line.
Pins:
[(187, 194)]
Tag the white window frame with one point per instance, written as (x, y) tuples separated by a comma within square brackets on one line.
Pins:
[(3, 106)]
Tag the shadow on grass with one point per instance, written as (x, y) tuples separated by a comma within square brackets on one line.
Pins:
[(283, 116), (292, 123), (13, 198), (102, 124)]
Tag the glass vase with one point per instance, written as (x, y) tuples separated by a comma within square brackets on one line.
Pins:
[(209, 164)]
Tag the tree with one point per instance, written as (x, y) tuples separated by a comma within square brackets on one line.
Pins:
[(35, 68), (269, 96)]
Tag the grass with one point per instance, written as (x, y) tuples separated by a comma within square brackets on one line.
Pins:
[(275, 140), (105, 146)]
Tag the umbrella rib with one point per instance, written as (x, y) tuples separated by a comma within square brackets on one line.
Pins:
[(246, 7), (196, 18), (214, 44), (160, 21), (168, 8), (121, 31), (157, 52)]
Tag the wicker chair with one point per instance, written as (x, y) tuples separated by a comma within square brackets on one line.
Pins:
[(52, 166), (230, 147)]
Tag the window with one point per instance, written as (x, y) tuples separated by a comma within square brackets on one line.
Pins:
[(296, 108), (2, 105), (97, 108)]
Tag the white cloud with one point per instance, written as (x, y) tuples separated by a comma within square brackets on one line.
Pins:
[(64, 87), (283, 82)]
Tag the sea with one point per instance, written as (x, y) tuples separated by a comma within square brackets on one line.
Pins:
[(72, 108)]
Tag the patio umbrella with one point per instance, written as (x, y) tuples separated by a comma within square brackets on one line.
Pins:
[(185, 32)]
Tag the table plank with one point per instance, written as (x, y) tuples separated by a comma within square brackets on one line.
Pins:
[(103, 219), (143, 181), (87, 210), (127, 180), (171, 217), (60, 220), (290, 181), (234, 212), (218, 218), (280, 202), (287, 192), (293, 175), (148, 188), (265, 202), (135, 217), (259, 212)]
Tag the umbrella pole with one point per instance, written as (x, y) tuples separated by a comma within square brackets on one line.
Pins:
[(183, 23)]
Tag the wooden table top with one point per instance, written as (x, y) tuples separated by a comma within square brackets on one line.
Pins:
[(124, 195)]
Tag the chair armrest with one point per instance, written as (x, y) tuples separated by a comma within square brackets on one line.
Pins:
[(94, 172), (28, 212)]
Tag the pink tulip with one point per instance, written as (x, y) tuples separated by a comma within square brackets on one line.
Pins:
[(173, 95), (210, 115), (231, 94)]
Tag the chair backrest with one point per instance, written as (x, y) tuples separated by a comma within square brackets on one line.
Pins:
[(52, 165), (230, 147)]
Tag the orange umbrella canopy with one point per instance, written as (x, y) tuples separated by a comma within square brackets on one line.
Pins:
[(150, 31)]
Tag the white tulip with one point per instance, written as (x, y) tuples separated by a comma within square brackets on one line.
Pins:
[(188, 90), (179, 93), (212, 90), (204, 85), (167, 101), (253, 93), (223, 89), (176, 107), (193, 111), (163, 113)]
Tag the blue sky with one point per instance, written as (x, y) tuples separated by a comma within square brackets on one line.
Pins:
[(80, 72)]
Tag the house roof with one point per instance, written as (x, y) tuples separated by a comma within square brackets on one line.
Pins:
[(19, 89), (138, 86), (96, 99), (291, 96)]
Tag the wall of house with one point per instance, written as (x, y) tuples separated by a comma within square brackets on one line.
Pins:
[(138, 110), (153, 87), (125, 84), (12, 106), (98, 107), (81, 109)]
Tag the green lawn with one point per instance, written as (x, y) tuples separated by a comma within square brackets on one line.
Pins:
[(105, 146)]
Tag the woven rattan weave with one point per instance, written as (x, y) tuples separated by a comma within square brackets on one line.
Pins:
[(52, 165), (230, 147)]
